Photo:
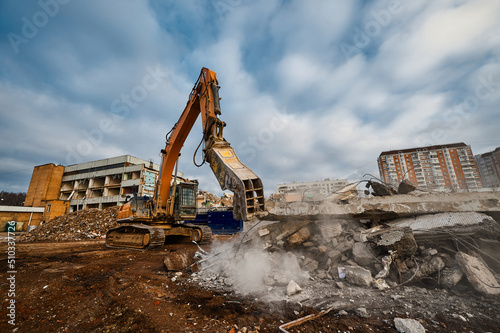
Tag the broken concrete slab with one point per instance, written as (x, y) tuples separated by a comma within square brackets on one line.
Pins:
[(408, 326), (392, 206), (358, 275), (478, 274), (434, 226)]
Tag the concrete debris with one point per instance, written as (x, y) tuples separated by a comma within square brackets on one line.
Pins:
[(386, 261), (406, 187), (390, 207), (408, 326), (363, 254), (349, 253), (361, 312), (379, 189), (299, 237), (450, 276), (429, 252), (439, 225), (293, 288), (478, 274), (358, 275), (175, 261), (347, 192), (263, 232), (381, 284), (427, 267), (81, 225)]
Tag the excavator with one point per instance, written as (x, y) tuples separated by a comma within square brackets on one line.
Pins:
[(145, 223)]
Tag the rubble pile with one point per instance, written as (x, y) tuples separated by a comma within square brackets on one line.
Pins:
[(81, 225), (211, 200), (288, 258)]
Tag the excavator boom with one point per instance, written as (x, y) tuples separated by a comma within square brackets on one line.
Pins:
[(231, 173)]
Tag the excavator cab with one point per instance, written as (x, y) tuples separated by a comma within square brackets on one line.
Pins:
[(185, 201)]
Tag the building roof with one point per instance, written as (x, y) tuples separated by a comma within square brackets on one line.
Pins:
[(450, 145), (497, 150)]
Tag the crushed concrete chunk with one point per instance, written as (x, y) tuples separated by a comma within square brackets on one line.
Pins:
[(408, 326), (299, 237), (362, 313), (330, 229), (478, 274), (293, 288), (358, 275), (429, 266), (177, 261), (310, 264), (450, 276), (363, 254), (263, 232), (406, 187), (429, 252)]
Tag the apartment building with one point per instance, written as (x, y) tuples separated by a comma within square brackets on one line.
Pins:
[(309, 190), (439, 167), (97, 184), (489, 168)]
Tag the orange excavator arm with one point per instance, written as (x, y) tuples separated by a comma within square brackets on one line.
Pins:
[(230, 172)]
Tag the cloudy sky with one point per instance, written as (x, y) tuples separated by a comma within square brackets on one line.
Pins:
[(310, 89)]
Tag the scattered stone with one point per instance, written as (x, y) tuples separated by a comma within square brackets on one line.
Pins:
[(358, 276), (334, 254), (429, 252), (362, 313), (381, 284), (293, 288), (478, 274), (340, 285), (342, 313), (408, 326), (263, 232)]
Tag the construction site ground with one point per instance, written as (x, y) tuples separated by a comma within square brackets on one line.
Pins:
[(82, 286)]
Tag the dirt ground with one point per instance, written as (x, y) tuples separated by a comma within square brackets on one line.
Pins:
[(85, 287)]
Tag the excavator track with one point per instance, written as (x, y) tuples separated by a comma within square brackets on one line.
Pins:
[(136, 236), (206, 233)]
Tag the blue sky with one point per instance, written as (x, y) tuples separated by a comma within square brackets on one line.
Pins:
[(310, 90)]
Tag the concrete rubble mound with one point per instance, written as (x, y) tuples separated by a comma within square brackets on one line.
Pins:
[(348, 253), (81, 225)]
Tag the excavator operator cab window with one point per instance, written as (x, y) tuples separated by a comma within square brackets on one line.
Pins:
[(185, 201)]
